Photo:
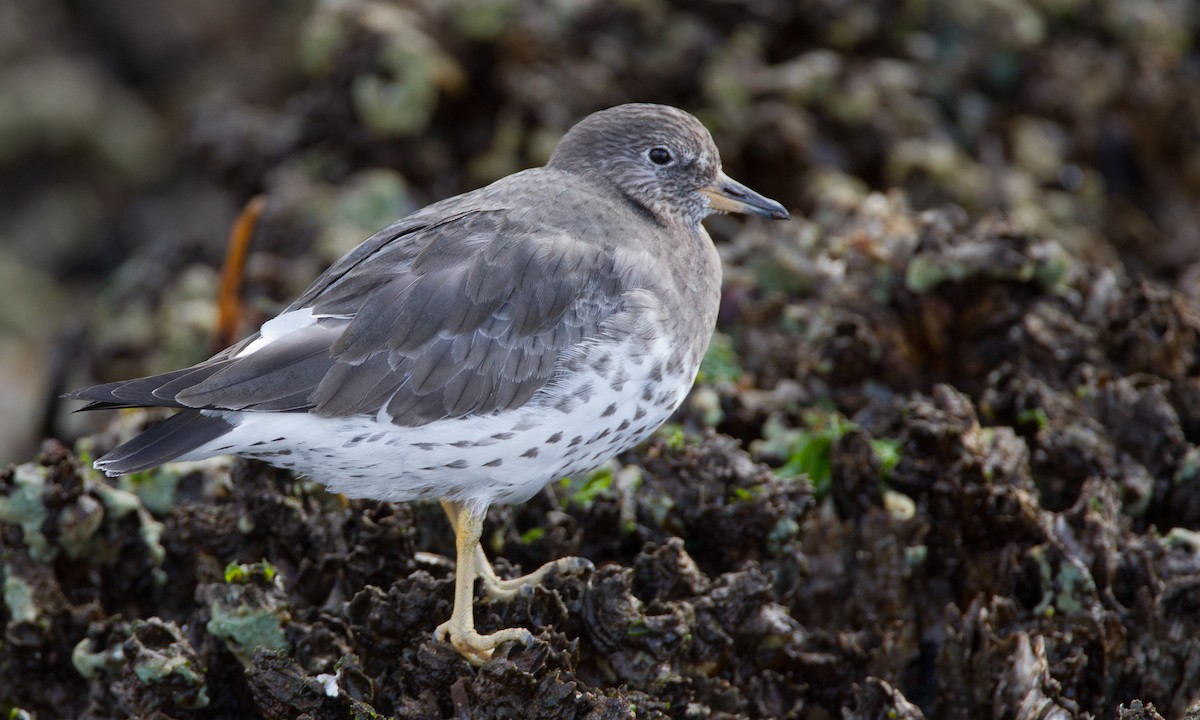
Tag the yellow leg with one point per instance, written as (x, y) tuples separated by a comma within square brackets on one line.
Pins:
[(504, 590), (459, 630)]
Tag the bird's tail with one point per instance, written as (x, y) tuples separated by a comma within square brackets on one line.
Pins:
[(169, 440)]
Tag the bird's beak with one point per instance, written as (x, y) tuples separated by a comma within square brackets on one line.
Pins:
[(729, 195)]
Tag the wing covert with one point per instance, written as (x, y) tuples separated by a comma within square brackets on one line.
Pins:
[(464, 316)]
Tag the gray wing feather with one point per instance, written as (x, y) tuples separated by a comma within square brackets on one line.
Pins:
[(282, 373), (433, 317)]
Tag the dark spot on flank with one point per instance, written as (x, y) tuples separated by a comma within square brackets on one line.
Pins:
[(530, 453), (599, 436), (424, 446), (624, 424), (503, 436), (609, 410), (639, 413), (259, 443), (462, 443), (555, 437), (656, 373), (457, 464), (602, 365), (584, 392), (575, 441), (495, 463), (279, 439), (647, 392)]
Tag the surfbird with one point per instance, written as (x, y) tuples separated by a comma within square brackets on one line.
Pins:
[(482, 347)]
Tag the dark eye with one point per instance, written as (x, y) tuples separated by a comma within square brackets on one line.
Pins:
[(659, 156)]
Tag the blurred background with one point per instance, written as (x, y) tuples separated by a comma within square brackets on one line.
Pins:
[(133, 132)]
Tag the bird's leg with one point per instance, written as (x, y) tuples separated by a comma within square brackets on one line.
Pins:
[(498, 589), (459, 630)]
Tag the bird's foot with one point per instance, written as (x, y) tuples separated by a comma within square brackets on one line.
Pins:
[(475, 648), (505, 590)]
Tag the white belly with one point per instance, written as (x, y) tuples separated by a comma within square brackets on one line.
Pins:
[(572, 425)]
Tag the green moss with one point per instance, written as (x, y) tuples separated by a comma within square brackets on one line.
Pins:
[(720, 362), (400, 99), (807, 452), (532, 535), (154, 488), (741, 494), (78, 524), (925, 273), (118, 502), (1047, 268), (1189, 467), (324, 36), (18, 596), (483, 21), (246, 573), (810, 450), (1182, 538), (250, 628), (24, 507), (366, 202), (672, 435), (1069, 587), (584, 493), (1051, 272), (887, 451), (163, 668), (785, 530), (915, 555), (1037, 416), (360, 710), (91, 664), (706, 402), (660, 507)]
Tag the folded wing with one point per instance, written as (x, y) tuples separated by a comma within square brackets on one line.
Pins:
[(471, 314)]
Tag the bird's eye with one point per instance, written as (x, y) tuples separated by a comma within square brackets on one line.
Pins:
[(659, 156)]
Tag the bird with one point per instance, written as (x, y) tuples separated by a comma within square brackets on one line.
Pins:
[(480, 348)]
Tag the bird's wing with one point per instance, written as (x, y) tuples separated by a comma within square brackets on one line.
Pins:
[(470, 314)]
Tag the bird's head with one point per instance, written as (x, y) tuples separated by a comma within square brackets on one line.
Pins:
[(660, 158)]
